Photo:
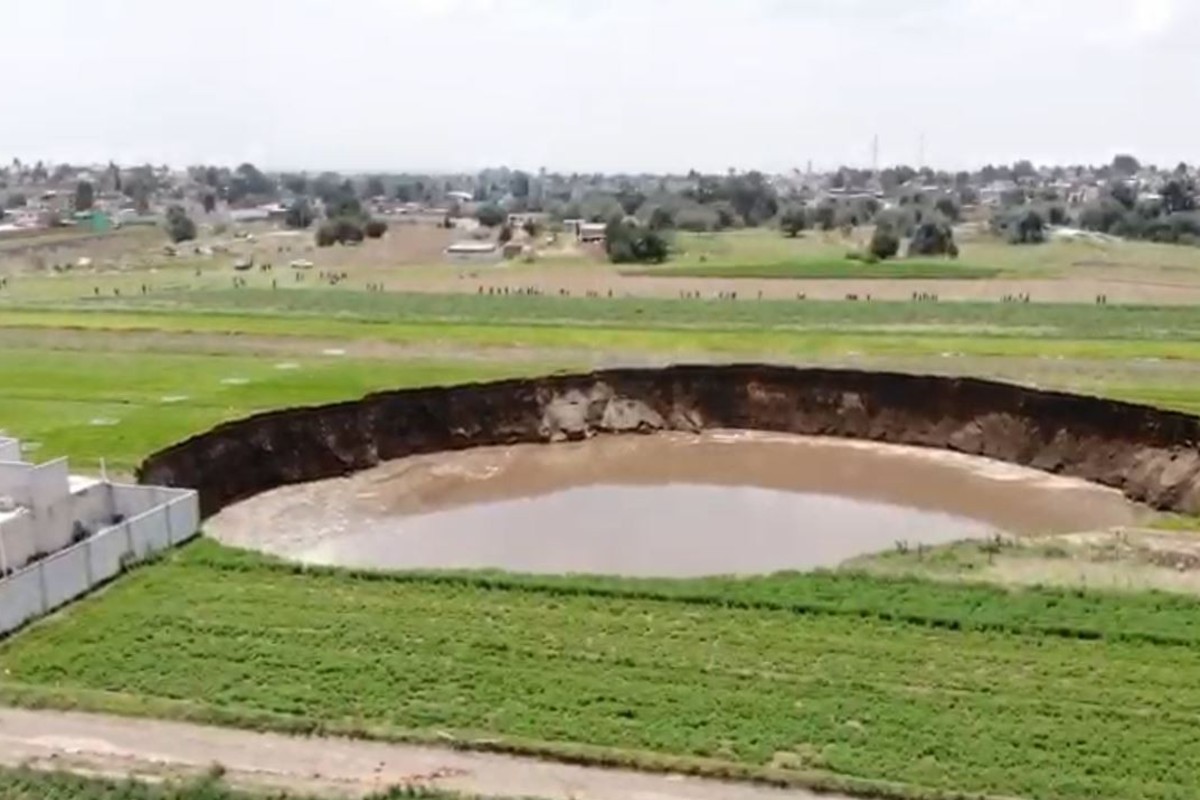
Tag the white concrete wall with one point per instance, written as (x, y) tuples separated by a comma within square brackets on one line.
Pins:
[(66, 576), (17, 540), (10, 449), (20, 600), (93, 506), (132, 501), (71, 573), (16, 481), (51, 504)]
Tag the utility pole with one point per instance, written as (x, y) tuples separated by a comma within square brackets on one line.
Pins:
[(875, 154), (921, 152)]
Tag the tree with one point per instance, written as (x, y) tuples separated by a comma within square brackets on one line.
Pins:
[(404, 193), (85, 196), (1124, 194), (506, 234), (531, 228), (1178, 195), (490, 215), (1023, 169), (793, 220), (17, 200), (375, 187), (661, 219), (299, 214), (210, 202), (631, 200), (519, 184), (375, 228), (825, 215), (1056, 214), (248, 181), (180, 227), (627, 242), (884, 242), (932, 238), (948, 208), (344, 205), (1125, 164), (1029, 227), (296, 184)]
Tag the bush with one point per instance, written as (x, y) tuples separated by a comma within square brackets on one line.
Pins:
[(327, 235), (339, 231), (180, 227), (884, 243), (932, 238), (375, 228), (490, 215), (506, 234)]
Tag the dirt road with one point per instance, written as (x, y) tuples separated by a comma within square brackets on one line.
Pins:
[(150, 748)]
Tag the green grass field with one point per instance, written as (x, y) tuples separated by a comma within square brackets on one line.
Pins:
[(888, 687), (825, 269), (841, 680), (97, 402), (123, 406)]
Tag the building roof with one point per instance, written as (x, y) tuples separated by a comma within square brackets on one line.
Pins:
[(471, 247)]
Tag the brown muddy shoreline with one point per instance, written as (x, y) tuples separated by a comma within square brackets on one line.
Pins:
[(1148, 454)]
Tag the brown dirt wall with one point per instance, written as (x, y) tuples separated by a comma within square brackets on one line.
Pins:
[(1149, 454)]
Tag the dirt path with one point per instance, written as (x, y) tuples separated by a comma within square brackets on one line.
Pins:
[(150, 748)]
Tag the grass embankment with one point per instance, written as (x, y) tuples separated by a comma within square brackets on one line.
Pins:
[(824, 269), (29, 784), (899, 687)]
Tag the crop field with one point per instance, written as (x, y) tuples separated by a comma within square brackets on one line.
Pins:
[(844, 681)]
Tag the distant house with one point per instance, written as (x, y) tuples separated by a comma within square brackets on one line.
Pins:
[(539, 218), (592, 232)]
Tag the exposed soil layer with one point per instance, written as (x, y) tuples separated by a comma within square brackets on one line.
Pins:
[(677, 504), (1149, 454)]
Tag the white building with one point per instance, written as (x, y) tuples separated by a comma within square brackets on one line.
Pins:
[(62, 535), (45, 509), (468, 252)]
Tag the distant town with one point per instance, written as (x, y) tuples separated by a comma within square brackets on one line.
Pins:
[(1123, 198)]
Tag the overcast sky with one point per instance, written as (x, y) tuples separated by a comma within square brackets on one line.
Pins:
[(612, 85)]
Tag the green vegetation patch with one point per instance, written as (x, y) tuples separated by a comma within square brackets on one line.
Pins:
[(825, 269), (865, 681)]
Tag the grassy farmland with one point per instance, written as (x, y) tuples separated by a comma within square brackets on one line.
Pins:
[(840, 681), (900, 687)]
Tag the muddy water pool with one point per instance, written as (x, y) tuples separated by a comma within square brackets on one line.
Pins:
[(665, 505)]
